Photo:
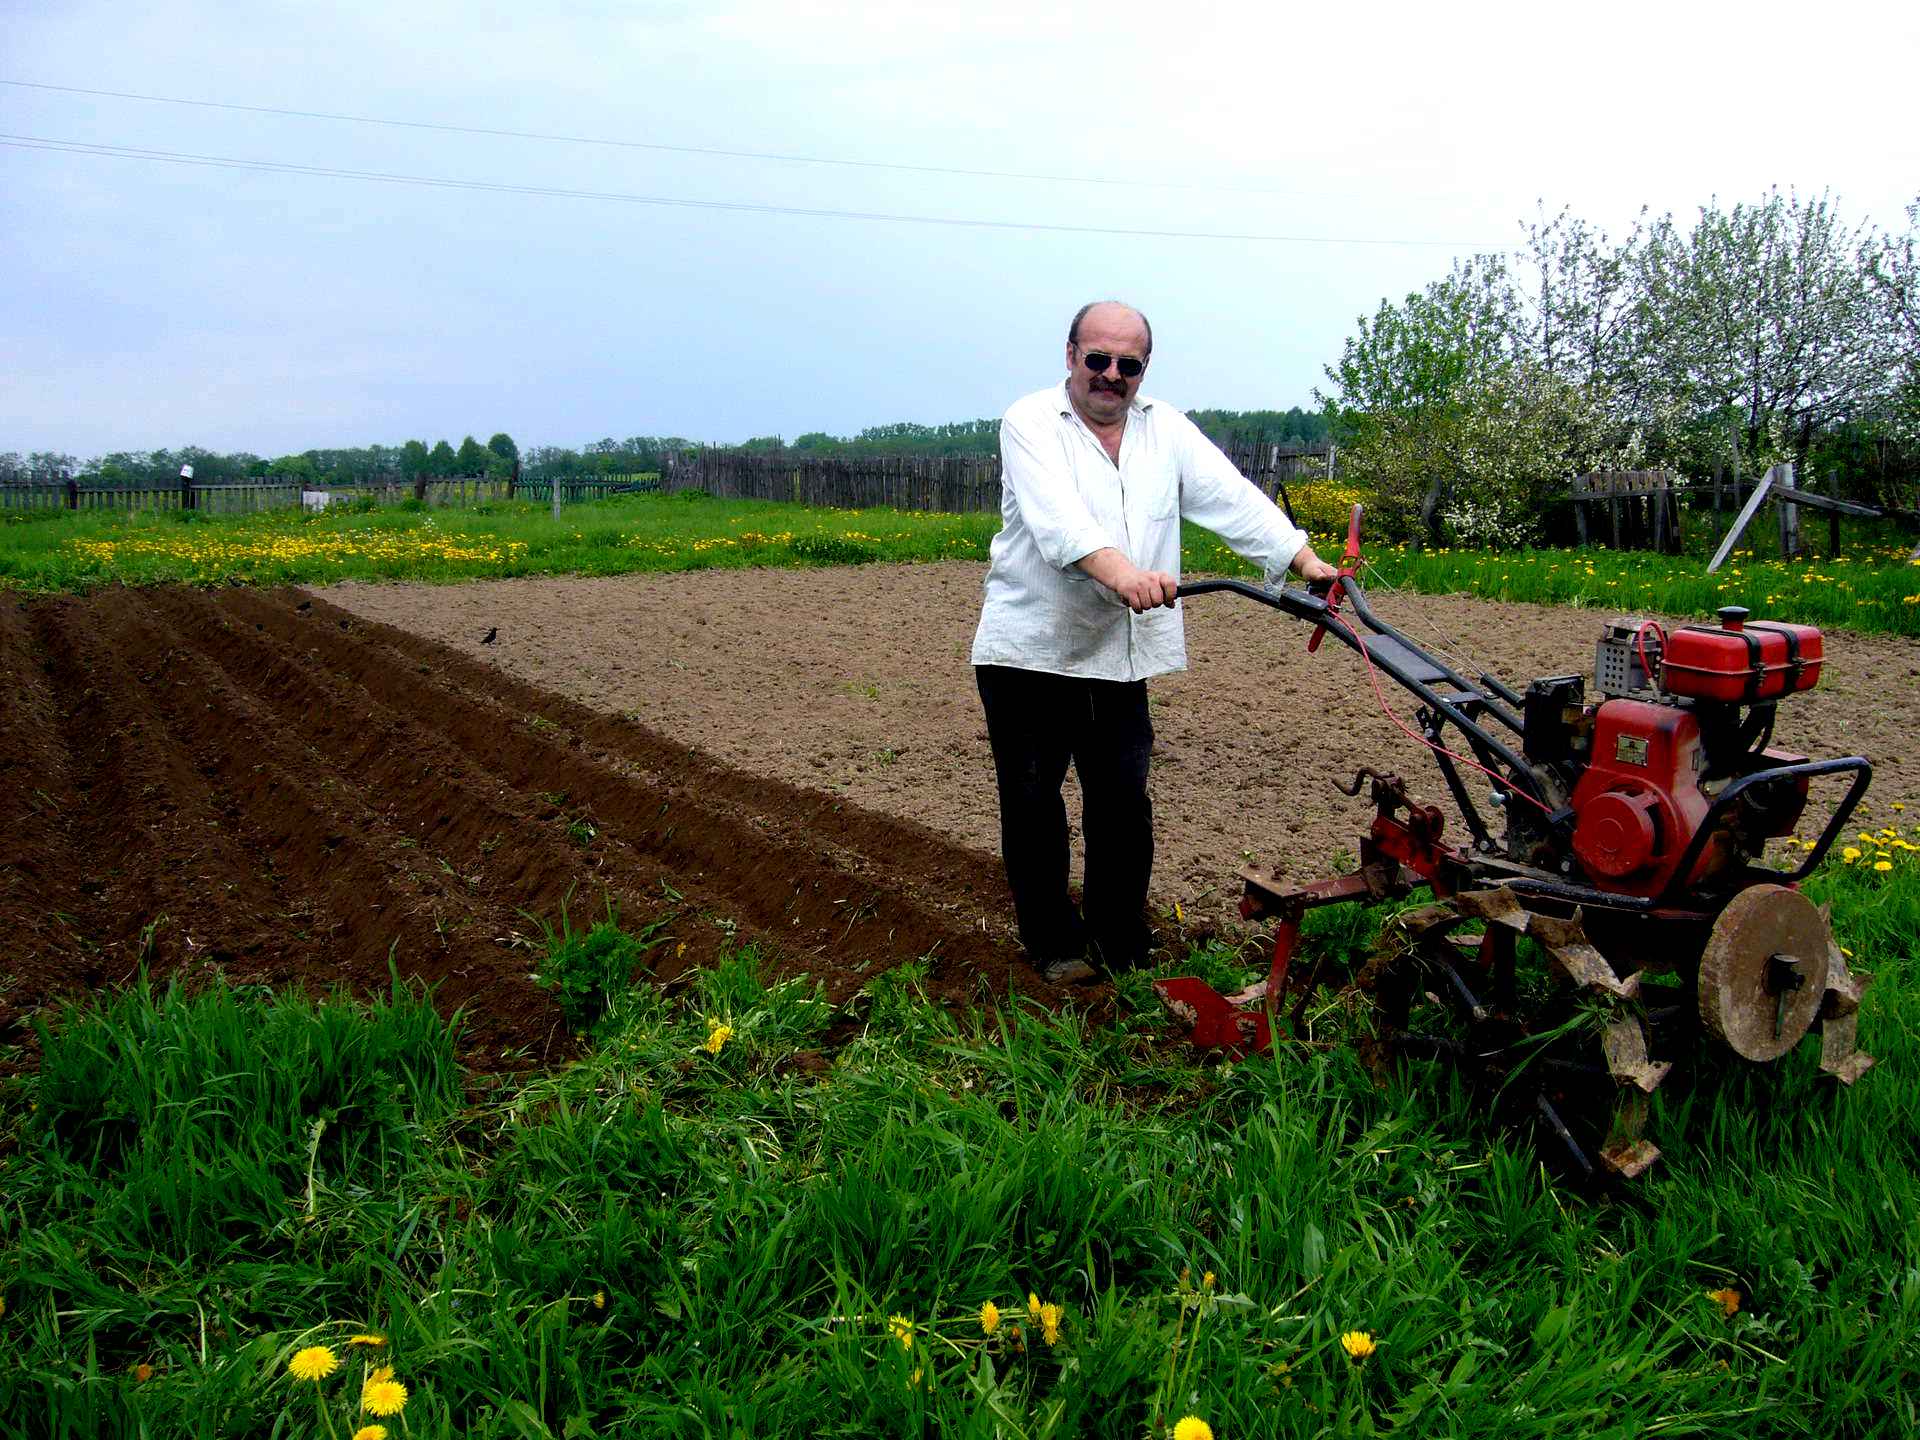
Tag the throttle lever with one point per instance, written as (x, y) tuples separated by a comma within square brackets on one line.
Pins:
[(1336, 587)]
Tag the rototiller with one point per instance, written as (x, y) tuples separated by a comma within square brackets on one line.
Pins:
[(1627, 852)]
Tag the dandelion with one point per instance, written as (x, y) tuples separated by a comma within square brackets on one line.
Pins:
[(385, 1372), (1192, 1427), (1728, 1300), (1033, 1306), (1850, 854), (371, 1432), (1207, 1281), (316, 1362), (1357, 1343), (901, 1328), (989, 1318), (717, 1036), (142, 1373), (373, 1340), (383, 1397), (599, 1299), (1050, 1317), (1883, 865)]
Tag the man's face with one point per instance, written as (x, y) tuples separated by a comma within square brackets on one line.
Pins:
[(1118, 333)]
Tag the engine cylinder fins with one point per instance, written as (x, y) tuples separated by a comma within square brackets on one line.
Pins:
[(1764, 972)]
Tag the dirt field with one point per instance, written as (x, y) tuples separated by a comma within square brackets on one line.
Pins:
[(283, 785)]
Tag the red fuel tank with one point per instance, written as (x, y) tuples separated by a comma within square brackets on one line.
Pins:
[(1742, 661), (1639, 802)]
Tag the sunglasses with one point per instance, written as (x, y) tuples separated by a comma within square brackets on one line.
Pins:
[(1097, 361)]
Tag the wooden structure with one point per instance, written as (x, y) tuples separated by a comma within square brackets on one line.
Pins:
[(1642, 508), (1778, 486), (952, 484), (247, 496)]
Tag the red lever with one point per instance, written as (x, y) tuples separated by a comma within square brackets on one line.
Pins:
[(1348, 565)]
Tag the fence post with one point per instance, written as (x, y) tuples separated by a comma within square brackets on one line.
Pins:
[(186, 487), (1789, 514), (556, 499), (73, 493)]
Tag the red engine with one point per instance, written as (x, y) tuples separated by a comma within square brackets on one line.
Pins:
[(1657, 753)]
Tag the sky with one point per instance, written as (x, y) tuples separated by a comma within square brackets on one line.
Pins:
[(1353, 152)]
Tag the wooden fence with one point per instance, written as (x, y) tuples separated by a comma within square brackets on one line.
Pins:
[(1642, 508), (950, 484), (244, 497)]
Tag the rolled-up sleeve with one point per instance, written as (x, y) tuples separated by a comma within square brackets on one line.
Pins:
[(1219, 498), (1039, 481)]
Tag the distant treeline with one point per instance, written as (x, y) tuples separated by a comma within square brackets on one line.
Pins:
[(500, 457)]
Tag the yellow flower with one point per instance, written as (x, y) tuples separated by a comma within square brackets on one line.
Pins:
[(385, 1372), (913, 1380), (371, 1432), (599, 1299), (1033, 1306), (316, 1362), (1883, 865), (989, 1318), (901, 1328), (1050, 1323), (383, 1397), (375, 1340), (1728, 1300), (1357, 1343), (142, 1372), (717, 1035), (1192, 1427), (1207, 1281), (1850, 854), (1178, 914)]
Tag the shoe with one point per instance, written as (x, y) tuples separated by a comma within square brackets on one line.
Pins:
[(1068, 972)]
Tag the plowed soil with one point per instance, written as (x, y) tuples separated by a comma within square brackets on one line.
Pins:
[(285, 786), (265, 785)]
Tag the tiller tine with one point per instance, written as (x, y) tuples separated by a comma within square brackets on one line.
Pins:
[(1217, 1022)]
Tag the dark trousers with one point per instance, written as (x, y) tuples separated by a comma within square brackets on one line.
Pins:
[(1037, 724)]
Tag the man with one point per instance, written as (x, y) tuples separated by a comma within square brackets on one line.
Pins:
[(1079, 612)]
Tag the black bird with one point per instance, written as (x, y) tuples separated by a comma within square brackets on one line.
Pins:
[(487, 639)]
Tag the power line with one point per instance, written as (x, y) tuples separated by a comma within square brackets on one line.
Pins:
[(283, 167), (714, 151)]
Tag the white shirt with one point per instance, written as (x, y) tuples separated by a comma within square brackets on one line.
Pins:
[(1062, 498)]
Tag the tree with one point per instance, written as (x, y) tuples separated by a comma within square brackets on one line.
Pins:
[(1770, 311), (472, 459), (1578, 319), (506, 457), (294, 469), (1406, 386), (441, 461), (1896, 277), (415, 461)]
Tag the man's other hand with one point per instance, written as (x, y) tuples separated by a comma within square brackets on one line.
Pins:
[(1141, 589), (1310, 567)]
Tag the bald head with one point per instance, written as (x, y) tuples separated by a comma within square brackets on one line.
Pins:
[(1109, 310), (1108, 346)]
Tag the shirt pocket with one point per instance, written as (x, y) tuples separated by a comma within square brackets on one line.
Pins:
[(1164, 504)]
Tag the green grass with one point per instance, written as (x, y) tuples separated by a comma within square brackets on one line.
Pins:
[(615, 536), (685, 1236), (1870, 586)]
